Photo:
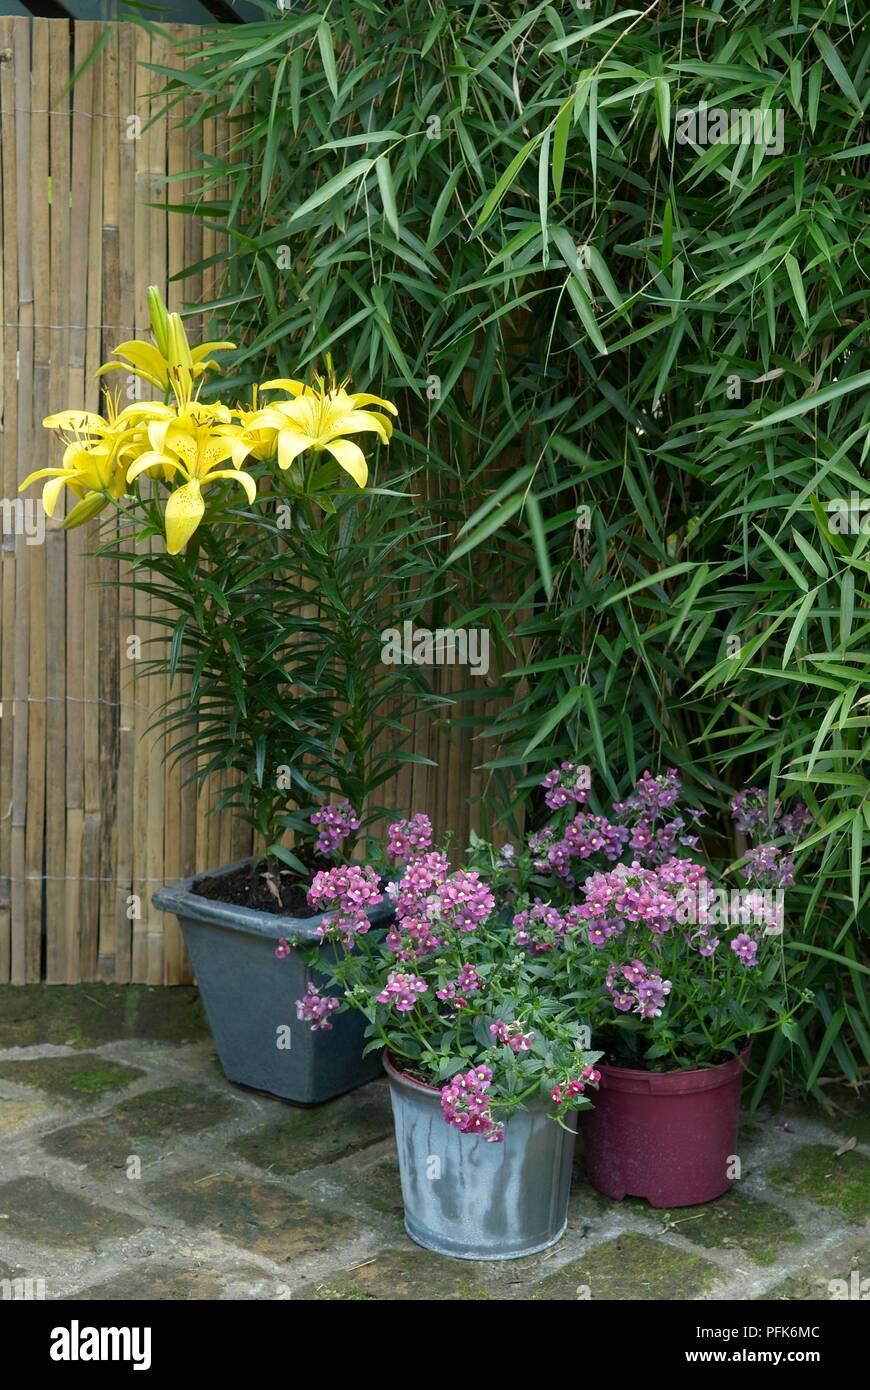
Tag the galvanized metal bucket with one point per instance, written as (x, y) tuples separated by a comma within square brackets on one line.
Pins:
[(249, 998), (477, 1201)]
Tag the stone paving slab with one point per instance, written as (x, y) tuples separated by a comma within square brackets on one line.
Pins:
[(16, 1115), (846, 1265), (820, 1174), (38, 1210), (632, 1266), (736, 1221), (82, 1077), (400, 1275), (140, 1128), (235, 1195), (308, 1138), (153, 1281), (259, 1216)]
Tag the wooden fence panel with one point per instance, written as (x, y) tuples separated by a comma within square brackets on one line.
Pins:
[(91, 822)]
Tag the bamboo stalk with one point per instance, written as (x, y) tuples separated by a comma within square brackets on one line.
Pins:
[(22, 961), (109, 615), (8, 476), (55, 544)]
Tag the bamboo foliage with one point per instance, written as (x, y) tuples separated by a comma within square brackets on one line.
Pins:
[(650, 353)]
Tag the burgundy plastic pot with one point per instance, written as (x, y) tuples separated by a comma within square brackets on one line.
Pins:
[(667, 1136)]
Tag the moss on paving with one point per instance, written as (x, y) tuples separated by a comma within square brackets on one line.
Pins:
[(260, 1216), (147, 1123), (174, 1283), (172, 1110), (850, 1270), (83, 1077), (818, 1175), (89, 1015), (631, 1267)]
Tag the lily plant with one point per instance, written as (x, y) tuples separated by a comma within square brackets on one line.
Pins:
[(252, 522)]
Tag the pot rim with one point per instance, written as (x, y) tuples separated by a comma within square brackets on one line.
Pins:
[(394, 1072), (180, 898), (400, 1078), (679, 1079)]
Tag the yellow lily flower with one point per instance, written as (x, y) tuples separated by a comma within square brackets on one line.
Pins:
[(189, 444), (249, 440), (193, 416), (95, 459), (319, 418), (172, 363)]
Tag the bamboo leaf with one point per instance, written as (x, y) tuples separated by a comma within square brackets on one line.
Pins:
[(327, 55), (834, 64), (352, 174), (560, 146), (388, 192)]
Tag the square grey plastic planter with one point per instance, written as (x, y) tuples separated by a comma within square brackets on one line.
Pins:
[(249, 997)]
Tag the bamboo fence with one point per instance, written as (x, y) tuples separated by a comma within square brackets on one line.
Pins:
[(91, 821)]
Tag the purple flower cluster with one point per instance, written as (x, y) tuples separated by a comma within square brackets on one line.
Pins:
[(455, 991), (464, 901), (766, 864), (652, 796), (586, 835), (631, 893), (430, 900), (512, 1034), (567, 1092), (745, 948), (413, 933), (702, 942), (345, 893), (539, 843), (334, 824), (754, 818), (410, 838), (465, 1105), (656, 829), (314, 1009), (401, 990), (566, 784), (542, 927), (637, 988), (423, 877)]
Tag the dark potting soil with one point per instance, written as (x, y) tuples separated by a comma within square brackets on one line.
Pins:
[(275, 889), (416, 1072), (660, 1064)]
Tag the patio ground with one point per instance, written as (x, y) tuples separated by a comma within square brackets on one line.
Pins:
[(131, 1169)]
